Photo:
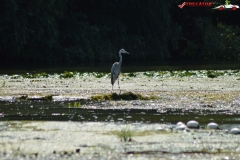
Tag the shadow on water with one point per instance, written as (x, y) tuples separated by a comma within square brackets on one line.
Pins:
[(60, 111)]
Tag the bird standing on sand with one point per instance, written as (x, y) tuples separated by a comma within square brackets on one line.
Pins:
[(116, 69)]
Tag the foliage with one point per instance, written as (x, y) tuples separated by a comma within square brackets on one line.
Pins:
[(150, 74), (213, 43), (125, 135), (132, 74), (122, 96), (73, 31), (85, 31), (67, 74), (100, 74)]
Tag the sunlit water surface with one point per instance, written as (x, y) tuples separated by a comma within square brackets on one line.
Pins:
[(66, 111)]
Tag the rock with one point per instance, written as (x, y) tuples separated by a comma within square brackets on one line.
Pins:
[(193, 124), (212, 125), (180, 123), (181, 127), (234, 131)]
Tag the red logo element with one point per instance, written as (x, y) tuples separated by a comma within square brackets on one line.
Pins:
[(182, 5), (220, 8), (234, 8), (195, 4)]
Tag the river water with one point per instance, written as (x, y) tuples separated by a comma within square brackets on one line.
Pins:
[(126, 67), (65, 111)]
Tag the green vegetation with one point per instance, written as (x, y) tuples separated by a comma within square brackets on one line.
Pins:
[(214, 74), (131, 74), (74, 105), (48, 97), (67, 74), (149, 74), (3, 84), (99, 74), (73, 32), (125, 135), (121, 96)]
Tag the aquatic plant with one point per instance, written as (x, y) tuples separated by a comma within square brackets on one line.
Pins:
[(3, 84), (100, 74), (149, 74), (48, 97), (132, 74), (125, 135), (75, 105), (122, 96), (35, 75), (187, 74), (214, 74), (67, 74)]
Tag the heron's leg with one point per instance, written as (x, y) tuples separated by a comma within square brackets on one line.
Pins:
[(119, 85)]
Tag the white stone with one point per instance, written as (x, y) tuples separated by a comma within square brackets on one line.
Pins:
[(193, 124), (212, 125), (235, 131), (180, 123), (181, 127)]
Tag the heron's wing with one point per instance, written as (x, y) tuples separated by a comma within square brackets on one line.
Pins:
[(115, 71)]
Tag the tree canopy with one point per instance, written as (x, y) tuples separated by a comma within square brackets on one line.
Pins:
[(70, 31)]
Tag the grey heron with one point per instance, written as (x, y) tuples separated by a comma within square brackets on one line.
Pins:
[(116, 69)]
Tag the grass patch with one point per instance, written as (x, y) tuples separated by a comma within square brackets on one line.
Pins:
[(67, 74), (35, 75), (74, 105), (125, 135), (214, 74), (3, 84), (122, 96), (149, 74), (99, 74), (131, 74)]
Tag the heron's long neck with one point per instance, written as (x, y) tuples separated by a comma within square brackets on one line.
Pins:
[(120, 61)]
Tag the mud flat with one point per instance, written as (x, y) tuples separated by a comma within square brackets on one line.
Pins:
[(97, 140), (100, 140), (194, 91)]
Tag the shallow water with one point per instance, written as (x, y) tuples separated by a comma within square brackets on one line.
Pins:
[(70, 111)]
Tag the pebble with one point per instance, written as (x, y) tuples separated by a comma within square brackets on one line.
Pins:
[(234, 131), (212, 125), (192, 124)]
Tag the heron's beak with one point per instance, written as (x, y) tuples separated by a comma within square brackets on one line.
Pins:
[(127, 52)]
